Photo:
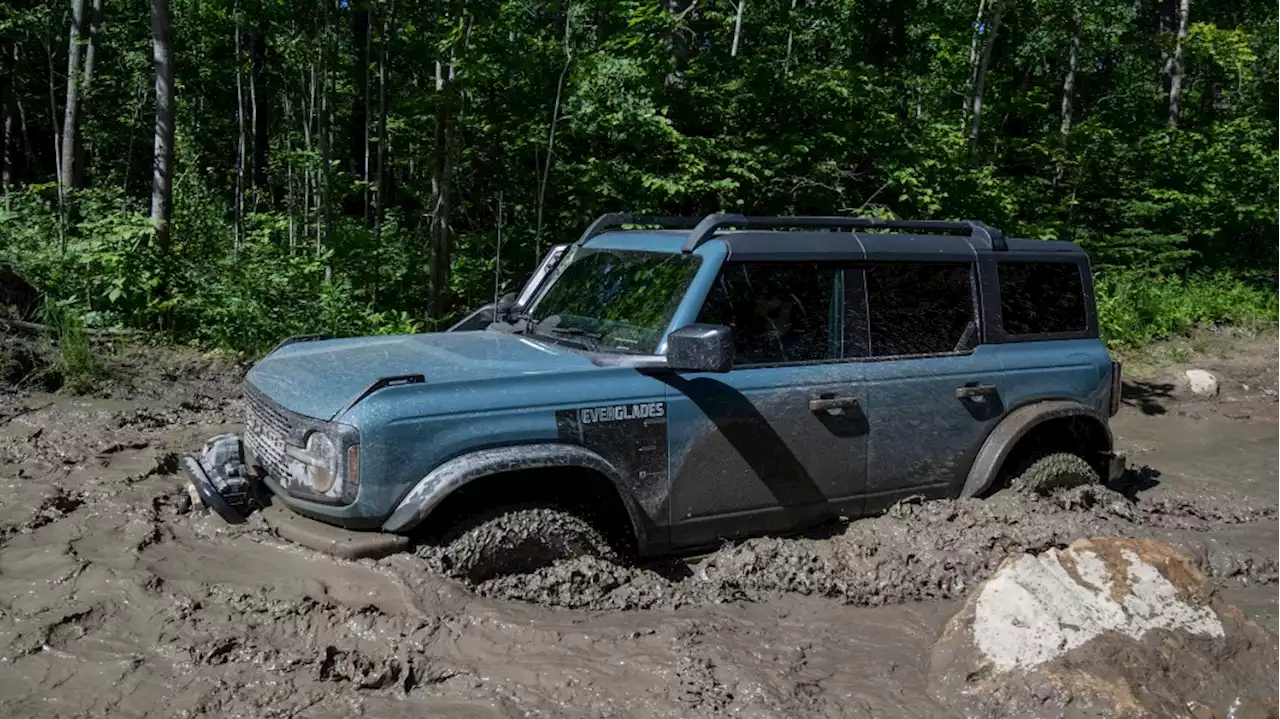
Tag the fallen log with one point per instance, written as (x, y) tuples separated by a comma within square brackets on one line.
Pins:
[(92, 331)]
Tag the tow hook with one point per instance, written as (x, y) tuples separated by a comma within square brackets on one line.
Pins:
[(218, 479)]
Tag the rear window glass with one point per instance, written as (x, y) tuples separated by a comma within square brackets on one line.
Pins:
[(920, 309), (1041, 297)]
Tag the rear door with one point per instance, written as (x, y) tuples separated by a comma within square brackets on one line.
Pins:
[(934, 391), (779, 441)]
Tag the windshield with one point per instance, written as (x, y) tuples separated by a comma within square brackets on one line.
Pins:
[(616, 300)]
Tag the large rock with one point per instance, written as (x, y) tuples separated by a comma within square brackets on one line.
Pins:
[(1202, 383), (1105, 628)]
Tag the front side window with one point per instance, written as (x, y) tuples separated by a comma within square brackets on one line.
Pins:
[(1041, 297), (613, 300), (780, 312), (920, 308)]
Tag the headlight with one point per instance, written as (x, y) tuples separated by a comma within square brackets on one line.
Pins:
[(324, 469), (319, 461)]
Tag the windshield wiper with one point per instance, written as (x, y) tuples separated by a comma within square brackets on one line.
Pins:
[(595, 337)]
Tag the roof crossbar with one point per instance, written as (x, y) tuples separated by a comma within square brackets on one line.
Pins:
[(614, 220), (707, 227)]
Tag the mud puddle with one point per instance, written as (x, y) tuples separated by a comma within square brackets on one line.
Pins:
[(114, 602)]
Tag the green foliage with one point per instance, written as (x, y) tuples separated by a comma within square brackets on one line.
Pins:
[(76, 367), (1136, 308), (561, 111)]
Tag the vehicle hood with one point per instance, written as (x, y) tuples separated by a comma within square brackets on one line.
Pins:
[(320, 378)]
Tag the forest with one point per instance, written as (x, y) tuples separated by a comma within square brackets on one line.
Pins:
[(225, 173)]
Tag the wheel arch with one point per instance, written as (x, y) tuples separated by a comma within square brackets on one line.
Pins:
[(504, 464), (1025, 425)]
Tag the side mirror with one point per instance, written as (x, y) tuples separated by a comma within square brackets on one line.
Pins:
[(700, 348)]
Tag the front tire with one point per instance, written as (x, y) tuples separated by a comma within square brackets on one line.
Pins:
[(1053, 473), (518, 540)]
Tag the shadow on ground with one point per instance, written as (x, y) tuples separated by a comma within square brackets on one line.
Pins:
[(1148, 397), (1134, 481)]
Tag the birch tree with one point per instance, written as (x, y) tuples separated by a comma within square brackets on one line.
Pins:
[(162, 167), (70, 108), (1176, 69)]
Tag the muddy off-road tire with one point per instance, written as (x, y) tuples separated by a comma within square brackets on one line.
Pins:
[(517, 540), (1053, 473)]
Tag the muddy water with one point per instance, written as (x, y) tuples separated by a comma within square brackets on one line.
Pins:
[(114, 602)]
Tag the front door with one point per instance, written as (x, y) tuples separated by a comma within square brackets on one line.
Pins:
[(778, 442), (934, 391)]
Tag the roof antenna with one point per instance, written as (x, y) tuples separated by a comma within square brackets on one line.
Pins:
[(497, 255)]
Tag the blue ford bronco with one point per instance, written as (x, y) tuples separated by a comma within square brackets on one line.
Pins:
[(662, 385)]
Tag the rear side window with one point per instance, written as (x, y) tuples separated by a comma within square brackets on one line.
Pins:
[(1041, 297), (920, 309), (780, 312)]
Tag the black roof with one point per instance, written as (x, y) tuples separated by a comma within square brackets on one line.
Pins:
[(841, 238), (854, 246)]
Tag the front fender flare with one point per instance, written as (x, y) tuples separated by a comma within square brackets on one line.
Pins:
[(1016, 425), (442, 481)]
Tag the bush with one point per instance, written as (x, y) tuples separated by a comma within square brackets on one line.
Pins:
[(1137, 308)]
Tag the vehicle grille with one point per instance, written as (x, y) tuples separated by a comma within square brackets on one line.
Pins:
[(265, 430)]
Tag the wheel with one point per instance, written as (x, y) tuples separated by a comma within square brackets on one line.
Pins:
[(1053, 472), (518, 540)]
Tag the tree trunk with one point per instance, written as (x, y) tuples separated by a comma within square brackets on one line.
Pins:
[(290, 198), (86, 89), (57, 152), (261, 127), (1073, 60), (1175, 76), (677, 47), (324, 232), (162, 176), (973, 61), (786, 64), (441, 197), (70, 118), (980, 76), (8, 106), (380, 189), (737, 28), (238, 223), (359, 134)]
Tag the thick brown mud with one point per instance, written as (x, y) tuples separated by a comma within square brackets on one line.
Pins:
[(117, 601)]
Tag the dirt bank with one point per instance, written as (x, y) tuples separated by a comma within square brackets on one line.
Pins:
[(115, 602)]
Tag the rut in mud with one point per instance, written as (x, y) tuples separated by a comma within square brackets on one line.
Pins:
[(115, 600), (916, 551)]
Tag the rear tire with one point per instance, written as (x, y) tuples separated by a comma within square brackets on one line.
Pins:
[(518, 540), (1053, 473)]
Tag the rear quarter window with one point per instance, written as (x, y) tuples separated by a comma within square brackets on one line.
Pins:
[(1041, 298)]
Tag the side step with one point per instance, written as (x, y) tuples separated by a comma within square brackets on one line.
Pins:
[(326, 538)]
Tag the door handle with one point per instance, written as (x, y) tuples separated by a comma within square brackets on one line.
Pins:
[(971, 391), (819, 404)]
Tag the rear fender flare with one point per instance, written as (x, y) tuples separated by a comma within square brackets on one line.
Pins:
[(447, 478), (1016, 425)]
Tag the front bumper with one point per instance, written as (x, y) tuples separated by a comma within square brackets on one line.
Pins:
[(219, 479)]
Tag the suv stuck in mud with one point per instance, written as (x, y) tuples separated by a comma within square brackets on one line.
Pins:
[(656, 391)]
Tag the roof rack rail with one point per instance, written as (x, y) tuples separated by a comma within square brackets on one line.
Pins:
[(706, 229), (614, 220)]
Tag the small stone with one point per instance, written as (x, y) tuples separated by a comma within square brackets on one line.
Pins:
[(1202, 383)]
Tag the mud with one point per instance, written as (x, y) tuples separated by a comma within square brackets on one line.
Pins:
[(115, 600)]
